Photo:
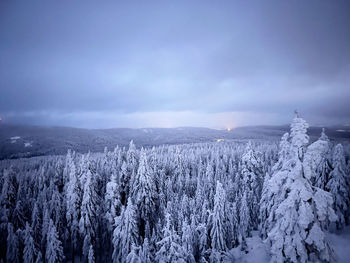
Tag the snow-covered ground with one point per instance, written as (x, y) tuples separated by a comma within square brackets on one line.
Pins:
[(257, 251), (340, 242)]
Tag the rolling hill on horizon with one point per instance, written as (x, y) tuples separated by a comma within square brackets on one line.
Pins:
[(25, 141)]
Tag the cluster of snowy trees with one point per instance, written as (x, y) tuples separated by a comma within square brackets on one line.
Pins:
[(182, 203)]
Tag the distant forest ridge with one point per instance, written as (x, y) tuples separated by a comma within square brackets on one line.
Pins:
[(28, 141)]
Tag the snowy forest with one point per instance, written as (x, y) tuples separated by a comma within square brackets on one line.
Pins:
[(196, 202)]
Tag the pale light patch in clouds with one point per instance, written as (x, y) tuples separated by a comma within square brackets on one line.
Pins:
[(163, 119)]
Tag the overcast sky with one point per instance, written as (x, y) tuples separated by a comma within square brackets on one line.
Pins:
[(174, 63)]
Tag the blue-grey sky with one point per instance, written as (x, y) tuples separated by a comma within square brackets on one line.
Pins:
[(216, 64)]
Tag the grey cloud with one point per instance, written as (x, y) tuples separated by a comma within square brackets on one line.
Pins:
[(202, 57)]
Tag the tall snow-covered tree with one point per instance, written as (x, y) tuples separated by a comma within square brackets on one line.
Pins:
[(8, 196), (244, 221), (145, 195), (29, 250), (131, 154), (89, 212), (7, 204), (55, 206), (145, 253), (133, 256), (317, 161), (251, 182), (232, 225), (295, 223), (218, 220), (54, 250), (112, 202), (338, 186), (218, 224), (12, 254), (91, 255), (45, 227), (131, 161), (202, 233), (170, 249), (69, 167), (73, 202), (268, 199), (125, 233), (125, 182), (188, 241)]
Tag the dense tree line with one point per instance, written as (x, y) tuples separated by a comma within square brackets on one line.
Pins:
[(182, 203)]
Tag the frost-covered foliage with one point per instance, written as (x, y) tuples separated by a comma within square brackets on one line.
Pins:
[(297, 212), (267, 200), (218, 221), (54, 250), (169, 247), (317, 161), (179, 203), (29, 248), (339, 186), (125, 234), (251, 182)]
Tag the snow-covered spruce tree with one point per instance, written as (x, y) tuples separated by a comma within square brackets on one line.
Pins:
[(89, 212), (124, 185), (7, 204), (29, 249), (91, 255), (18, 218), (252, 182), (125, 233), (36, 225), (317, 161), (131, 154), (45, 228), (295, 222), (232, 226), (145, 253), (145, 195), (112, 202), (188, 241), (8, 196), (170, 249), (268, 198), (201, 232), (56, 207), (218, 223), (54, 250), (73, 202), (338, 186), (209, 183), (69, 166), (12, 253), (244, 221), (131, 161), (133, 256)]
